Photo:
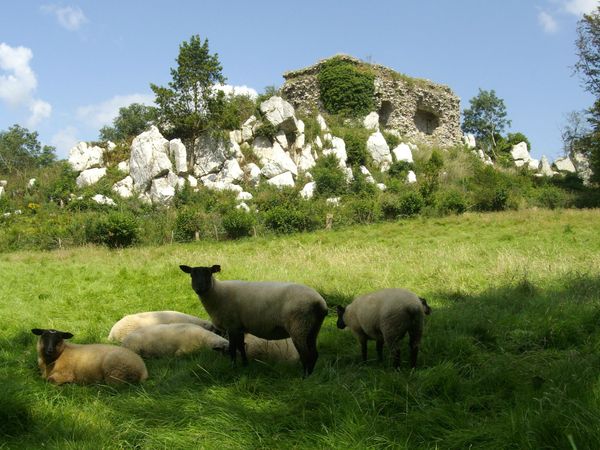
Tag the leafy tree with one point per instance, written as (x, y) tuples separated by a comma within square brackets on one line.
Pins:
[(131, 121), (486, 119), (21, 150), (186, 107)]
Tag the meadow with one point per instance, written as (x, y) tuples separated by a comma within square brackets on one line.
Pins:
[(510, 356)]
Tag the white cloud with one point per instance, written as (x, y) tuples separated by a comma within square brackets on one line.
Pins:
[(580, 7), (547, 22), (101, 114), (40, 110), (237, 90), (64, 140), (18, 81), (70, 18)]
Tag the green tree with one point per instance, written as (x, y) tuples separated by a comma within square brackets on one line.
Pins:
[(186, 107), (131, 121), (486, 119), (20, 150)]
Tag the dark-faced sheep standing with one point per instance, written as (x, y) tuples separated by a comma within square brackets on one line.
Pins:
[(62, 362), (265, 309), (386, 316)]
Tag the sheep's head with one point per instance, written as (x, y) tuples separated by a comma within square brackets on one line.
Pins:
[(51, 343), (340, 313), (426, 307), (201, 277)]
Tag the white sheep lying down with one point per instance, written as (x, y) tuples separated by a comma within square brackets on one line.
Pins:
[(386, 316), (280, 350), (133, 322), (173, 339), (64, 362)]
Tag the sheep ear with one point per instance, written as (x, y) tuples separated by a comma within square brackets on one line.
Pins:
[(216, 268), (37, 331), (340, 309), (66, 335), (186, 269)]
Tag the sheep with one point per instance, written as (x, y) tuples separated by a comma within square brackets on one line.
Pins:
[(173, 339), (133, 322), (267, 310), (63, 362), (281, 350), (386, 316)]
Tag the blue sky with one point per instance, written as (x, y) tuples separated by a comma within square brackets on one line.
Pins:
[(66, 67)]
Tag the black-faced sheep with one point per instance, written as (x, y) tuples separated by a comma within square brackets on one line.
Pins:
[(133, 322), (265, 309), (386, 316), (173, 339), (64, 362)]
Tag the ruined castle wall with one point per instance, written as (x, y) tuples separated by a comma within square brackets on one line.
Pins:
[(420, 110)]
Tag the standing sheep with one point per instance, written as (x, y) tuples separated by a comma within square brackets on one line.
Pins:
[(133, 322), (173, 339), (265, 309), (386, 316), (63, 362)]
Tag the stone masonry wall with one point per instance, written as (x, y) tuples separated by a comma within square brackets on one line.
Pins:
[(418, 109)]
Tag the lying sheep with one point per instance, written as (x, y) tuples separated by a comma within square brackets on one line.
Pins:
[(281, 350), (386, 316), (63, 362), (173, 339), (265, 309), (133, 322)]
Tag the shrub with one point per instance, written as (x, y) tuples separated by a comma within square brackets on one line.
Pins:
[(391, 139), (356, 146), (411, 204), (390, 206), (289, 219), (363, 209), (330, 179), (400, 169), (451, 201), (491, 189), (550, 197), (267, 130), (188, 224), (234, 111), (238, 223), (361, 187), (346, 88), (115, 230), (430, 175)]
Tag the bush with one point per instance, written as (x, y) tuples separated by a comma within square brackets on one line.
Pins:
[(115, 230), (346, 88), (400, 169), (550, 197), (491, 189), (289, 219), (363, 210), (330, 179), (188, 224), (361, 187), (411, 204), (238, 223), (451, 202), (267, 130), (391, 139), (390, 206), (356, 146)]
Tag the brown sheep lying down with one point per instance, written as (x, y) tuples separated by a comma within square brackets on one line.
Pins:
[(64, 362)]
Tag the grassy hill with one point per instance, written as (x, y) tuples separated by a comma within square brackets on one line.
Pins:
[(509, 359)]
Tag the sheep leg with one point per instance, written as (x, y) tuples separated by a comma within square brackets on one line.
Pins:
[(414, 341), (233, 346), (306, 345), (242, 348), (380, 349)]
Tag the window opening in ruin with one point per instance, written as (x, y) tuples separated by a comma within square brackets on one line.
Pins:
[(426, 121), (385, 112)]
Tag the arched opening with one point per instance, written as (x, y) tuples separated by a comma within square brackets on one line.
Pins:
[(385, 112), (426, 121)]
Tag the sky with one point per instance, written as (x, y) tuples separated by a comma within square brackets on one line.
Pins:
[(67, 67)]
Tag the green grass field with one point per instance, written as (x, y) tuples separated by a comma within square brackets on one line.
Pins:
[(510, 357)]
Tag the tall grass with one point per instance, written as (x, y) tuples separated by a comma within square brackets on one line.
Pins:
[(510, 357)]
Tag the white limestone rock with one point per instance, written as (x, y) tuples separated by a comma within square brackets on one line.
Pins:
[(247, 129), (469, 140), (210, 153), (519, 152), (582, 164), (281, 138), (244, 196), (179, 154), (123, 166), (379, 150), (339, 150), (381, 186), (231, 171), (333, 201), (235, 136), (103, 200), (273, 158), (90, 176), (300, 142), (149, 158), (306, 161), (282, 180), (211, 181), (1, 191), (300, 125), (192, 181), (564, 165), (545, 168), (371, 121), (3, 183), (318, 143), (403, 153), (162, 189), (322, 123), (82, 157), (533, 164), (411, 177), (349, 174), (31, 183), (110, 146), (368, 177), (280, 114), (308, 191), (124, 188), (243, 206)]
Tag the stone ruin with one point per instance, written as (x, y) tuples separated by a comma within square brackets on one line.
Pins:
[(418, 109)]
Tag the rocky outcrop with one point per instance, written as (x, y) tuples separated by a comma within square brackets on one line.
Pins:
[(84, 156), (280, 114), (564, 165), (380, 151), (149, 158), (90, 176)]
